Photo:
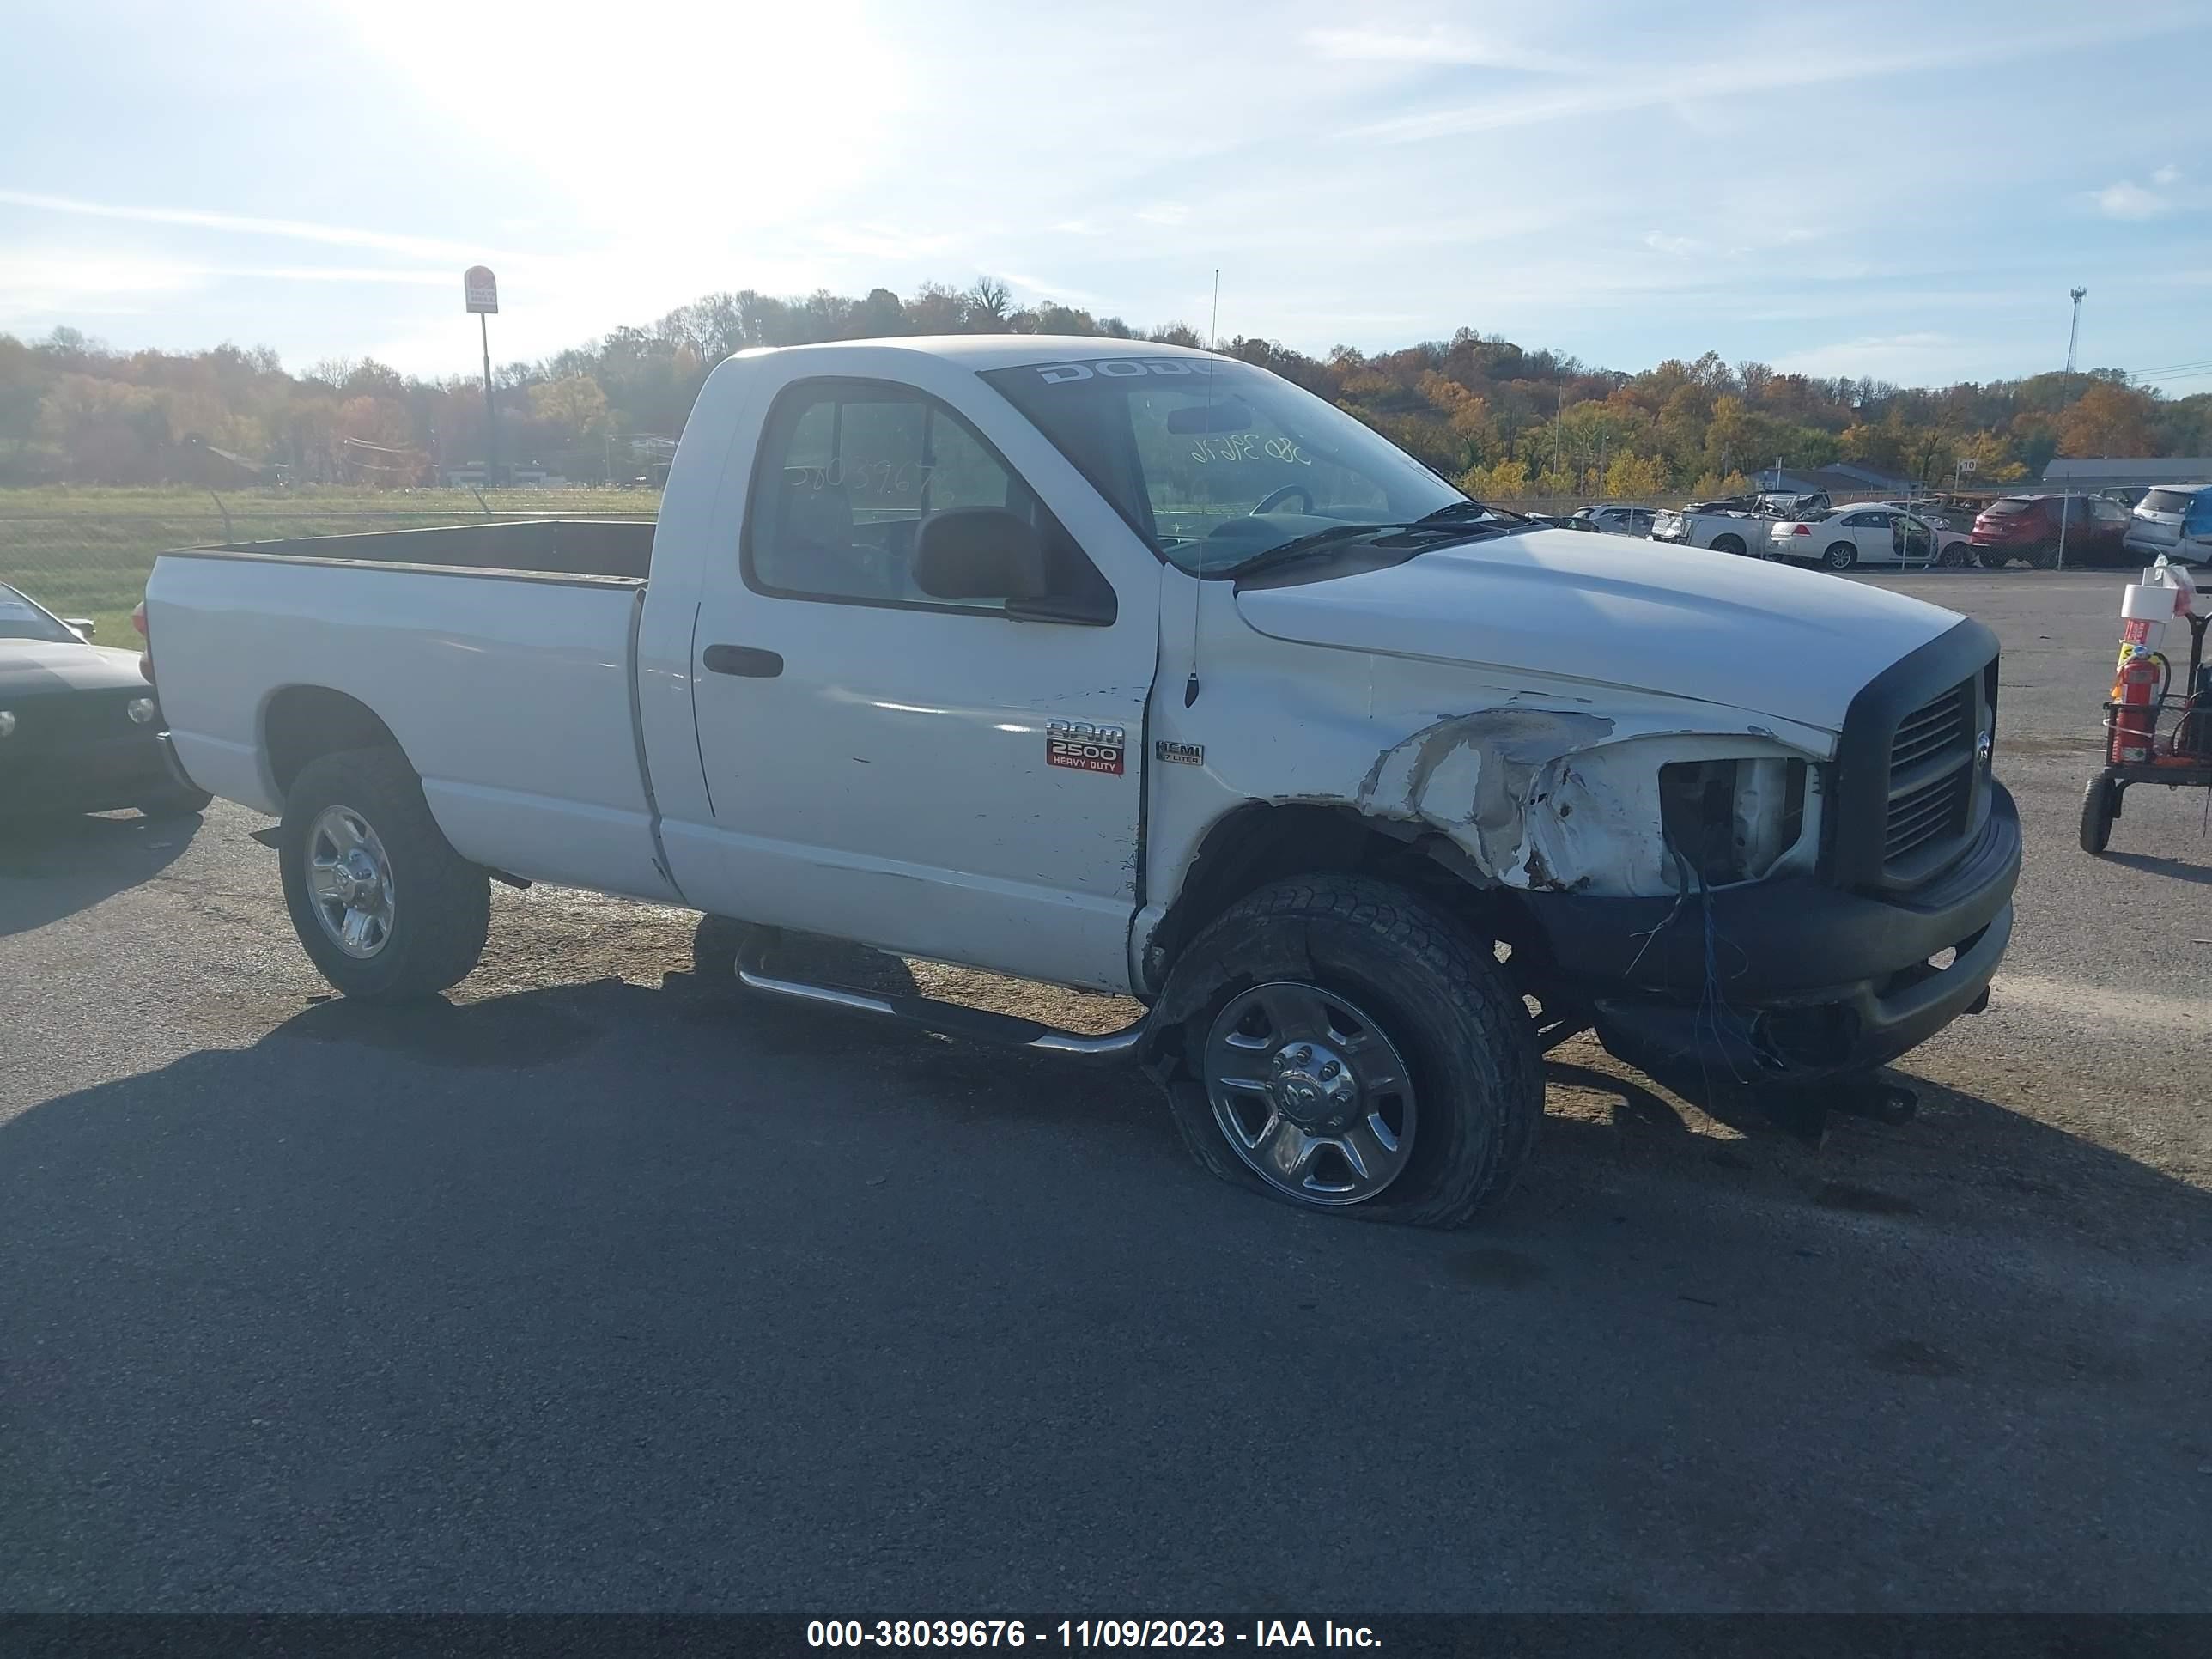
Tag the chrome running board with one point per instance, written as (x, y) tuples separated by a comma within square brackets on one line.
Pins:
[(952, 1018)]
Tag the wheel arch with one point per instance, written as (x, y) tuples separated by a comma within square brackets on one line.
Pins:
[(1263, 842), (300, 724)]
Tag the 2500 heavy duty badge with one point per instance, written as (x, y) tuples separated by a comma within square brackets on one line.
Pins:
[(1085, 747)]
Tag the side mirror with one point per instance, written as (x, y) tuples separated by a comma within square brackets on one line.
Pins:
[(978, 553), (82, 625)]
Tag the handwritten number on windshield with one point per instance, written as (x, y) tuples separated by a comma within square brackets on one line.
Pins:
[(1246, 445)]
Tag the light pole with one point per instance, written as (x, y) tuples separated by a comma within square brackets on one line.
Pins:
[(480, 288), (2066, 494)]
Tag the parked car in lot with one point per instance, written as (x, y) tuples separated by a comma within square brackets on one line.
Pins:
[(2167, 515), (80, 730), (1130, 668), (1844, 538), (2026, 527), (1612, 518), (1729, 527)]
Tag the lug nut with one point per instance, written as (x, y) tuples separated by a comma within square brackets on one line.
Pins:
[(1304, 1053), (1330, 1069)]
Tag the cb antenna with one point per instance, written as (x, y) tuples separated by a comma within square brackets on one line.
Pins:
[(1212, 353)]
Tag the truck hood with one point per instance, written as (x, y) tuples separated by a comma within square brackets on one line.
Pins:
[(1795, 645)]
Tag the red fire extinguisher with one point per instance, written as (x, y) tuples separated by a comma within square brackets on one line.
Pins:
[(2134, 708)]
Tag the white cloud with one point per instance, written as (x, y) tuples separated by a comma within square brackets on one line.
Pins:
[(302, 230), (1451, 46), (1660, 241), (1657, 84), (2169, 174), (1914, 355), (1163, 213), (2129, 201)]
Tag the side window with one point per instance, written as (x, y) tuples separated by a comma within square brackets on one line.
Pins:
[(1866, 521), (846, 473)]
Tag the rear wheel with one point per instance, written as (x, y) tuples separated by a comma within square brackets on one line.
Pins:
[(2099, 805), (1992, 558), (1728, 545), (1350, 1047), (383, 905), (2043, 555), (1840, 556)]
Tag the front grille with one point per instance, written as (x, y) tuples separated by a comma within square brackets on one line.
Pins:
[(1931, 783), (1921, 815), (59, 720), (1930, 731)]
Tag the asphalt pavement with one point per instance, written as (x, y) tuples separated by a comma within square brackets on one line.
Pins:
[(591, 1289)]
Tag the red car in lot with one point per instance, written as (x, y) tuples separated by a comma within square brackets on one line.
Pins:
[(2026, 527)]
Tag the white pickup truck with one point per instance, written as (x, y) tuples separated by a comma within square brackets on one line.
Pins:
[(1725, 527), (1129, 668)]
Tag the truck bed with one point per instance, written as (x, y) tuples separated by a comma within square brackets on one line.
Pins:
[(500, 657), (552, 547)]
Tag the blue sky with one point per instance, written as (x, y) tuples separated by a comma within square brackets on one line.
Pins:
[(1903, 192)]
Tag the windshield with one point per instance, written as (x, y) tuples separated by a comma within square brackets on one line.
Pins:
[(1214, 462), (22, 620), (2008, 506), (2167, 500)]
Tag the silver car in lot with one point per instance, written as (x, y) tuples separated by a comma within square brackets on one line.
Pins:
[(1610, 518), (2155, 525)]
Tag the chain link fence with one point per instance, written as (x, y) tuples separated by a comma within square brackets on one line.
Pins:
[(90, 556)]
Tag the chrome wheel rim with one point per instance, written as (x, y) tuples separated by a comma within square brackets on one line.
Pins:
[(350, 883), (1311, 1093)]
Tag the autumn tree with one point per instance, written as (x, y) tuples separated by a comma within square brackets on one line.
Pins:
[(2106, 419)]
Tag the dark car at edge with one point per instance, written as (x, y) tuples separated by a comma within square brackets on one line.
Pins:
[(80, 729)]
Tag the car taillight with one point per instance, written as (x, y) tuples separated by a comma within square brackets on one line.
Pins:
[(146, 656), (1802, 530), (138, 618)]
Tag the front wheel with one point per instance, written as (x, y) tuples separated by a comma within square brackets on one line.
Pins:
[(383, 905), (1956, 556), (1348, 1047), (1840, 556), (2100, 806)]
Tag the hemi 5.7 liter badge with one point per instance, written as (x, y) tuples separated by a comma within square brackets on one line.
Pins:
[(1085, 747)]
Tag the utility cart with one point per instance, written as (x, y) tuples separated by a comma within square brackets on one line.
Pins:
[(2158, 724)]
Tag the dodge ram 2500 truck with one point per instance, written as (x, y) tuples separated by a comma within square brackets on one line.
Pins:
[(1130, 668)]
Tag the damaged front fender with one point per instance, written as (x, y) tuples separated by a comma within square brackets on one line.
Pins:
[(1550, 799)]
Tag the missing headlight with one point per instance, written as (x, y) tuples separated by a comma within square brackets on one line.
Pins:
[(1731, 819)]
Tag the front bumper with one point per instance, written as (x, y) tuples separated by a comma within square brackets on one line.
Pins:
[(1792, 981), (96, 776)]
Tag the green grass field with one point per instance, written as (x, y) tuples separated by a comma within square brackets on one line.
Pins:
[(86, 552)]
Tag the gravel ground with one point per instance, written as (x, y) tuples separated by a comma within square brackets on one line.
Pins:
[(591, 1289)]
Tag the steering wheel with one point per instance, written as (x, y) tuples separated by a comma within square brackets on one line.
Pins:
[(1275, 498)]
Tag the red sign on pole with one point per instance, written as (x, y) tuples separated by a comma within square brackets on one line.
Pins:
[(482, 289)]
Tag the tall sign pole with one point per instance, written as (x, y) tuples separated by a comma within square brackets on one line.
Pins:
[(481, 290)]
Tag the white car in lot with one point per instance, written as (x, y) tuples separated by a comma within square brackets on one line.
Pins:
[(1873, 532)]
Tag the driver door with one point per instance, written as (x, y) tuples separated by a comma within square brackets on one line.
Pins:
[(935, 777)]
